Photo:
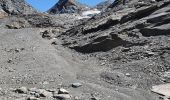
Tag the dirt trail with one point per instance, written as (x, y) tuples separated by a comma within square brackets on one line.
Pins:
[(29, 60)]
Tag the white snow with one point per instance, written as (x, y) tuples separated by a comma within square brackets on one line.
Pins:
[(91, 12)]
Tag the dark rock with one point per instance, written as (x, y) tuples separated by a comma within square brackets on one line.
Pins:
[(76, 85), (22, 90), (48, 34), (103, 43), (67, 6), (155, 31), (139, 13)]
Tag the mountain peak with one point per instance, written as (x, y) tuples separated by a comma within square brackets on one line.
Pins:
[(67, 6)]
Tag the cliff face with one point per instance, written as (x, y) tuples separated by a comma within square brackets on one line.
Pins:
[(14, 7), (67, 6)]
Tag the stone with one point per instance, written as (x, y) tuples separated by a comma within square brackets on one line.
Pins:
[(37, 95), (22, 90), (33, 89), (11, 70), (163, 89), (150, 53), (51, 90), (156, 31), (127, 74), (15, 25), (63, 91), (33, 98), (166, 75), (45, 83), (62, 96), (126, 49), (94, 98), (76, 85), (76, 98), (44, 93)]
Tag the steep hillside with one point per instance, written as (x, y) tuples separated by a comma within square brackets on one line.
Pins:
[(15, 7), (133, 40)]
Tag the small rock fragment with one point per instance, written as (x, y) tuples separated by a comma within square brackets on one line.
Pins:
[(22, 90), (126, 49), (150, 53), (62, 96), (76, 98), (127, 74), (51, 90), (45, 83), (63, 91), (94, 98), (76, 85), (45, 93), (33, 98)]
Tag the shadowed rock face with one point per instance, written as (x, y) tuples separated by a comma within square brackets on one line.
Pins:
[(14, 7), (67, 6)]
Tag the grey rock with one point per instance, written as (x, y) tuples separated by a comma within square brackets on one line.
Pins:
[(62, 96), (156, 31), (76, 85), (67, 6), (44, 93), (103, 5), (33, 98), (16, 7), (128, 74), (22, 90), (163, 89), (63, 91)]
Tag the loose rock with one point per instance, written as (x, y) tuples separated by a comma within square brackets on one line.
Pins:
[(62, 96), (45, 93), (63, 91), (76, 85), (22, 90), (33, 98), (127, 74)]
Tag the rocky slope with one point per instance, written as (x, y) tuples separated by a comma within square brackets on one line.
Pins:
[(134, 41), (15, 7), (103, 5), (67, 6), (116, 55)]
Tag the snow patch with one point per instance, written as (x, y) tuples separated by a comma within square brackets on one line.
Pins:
[(91, 12)]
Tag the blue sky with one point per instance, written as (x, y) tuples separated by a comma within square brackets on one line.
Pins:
[(44, 5)]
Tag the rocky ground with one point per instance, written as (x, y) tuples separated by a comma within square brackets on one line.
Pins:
[(120, 54)]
